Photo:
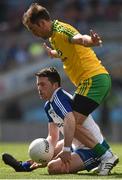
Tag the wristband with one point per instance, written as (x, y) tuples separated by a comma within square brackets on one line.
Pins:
[(67, 149)]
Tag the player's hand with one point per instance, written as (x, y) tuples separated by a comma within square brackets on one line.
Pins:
[(95, 38), (48, 50), (51, 53), (37, 165), (65, 157)]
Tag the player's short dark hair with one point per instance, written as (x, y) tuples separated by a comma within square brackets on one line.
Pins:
[(35, 13), (51, 73)]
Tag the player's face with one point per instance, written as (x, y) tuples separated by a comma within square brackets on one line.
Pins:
[(42, 29), (45, 88)]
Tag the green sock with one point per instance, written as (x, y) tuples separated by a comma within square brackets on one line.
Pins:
[(105, 144), (99, 149)]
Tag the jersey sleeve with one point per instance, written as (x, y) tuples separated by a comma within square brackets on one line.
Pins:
[(64, 105), (69, 32)]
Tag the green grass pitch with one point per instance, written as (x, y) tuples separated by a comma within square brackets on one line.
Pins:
[(20, 152)]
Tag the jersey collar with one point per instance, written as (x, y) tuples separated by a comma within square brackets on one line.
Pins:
[(51, 99), (54, 25)]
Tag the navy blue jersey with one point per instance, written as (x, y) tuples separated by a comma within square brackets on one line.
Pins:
[(58, 106)]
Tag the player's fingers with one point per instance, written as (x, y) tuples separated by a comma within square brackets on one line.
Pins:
[(35, 165), (94, 34), (91, 33), (45, 46), (100, 43)]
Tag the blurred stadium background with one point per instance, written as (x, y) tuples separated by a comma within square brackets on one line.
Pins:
[(22, 117)]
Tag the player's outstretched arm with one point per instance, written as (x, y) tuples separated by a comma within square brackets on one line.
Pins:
[(51, 52), (86, 40), (20, 166)]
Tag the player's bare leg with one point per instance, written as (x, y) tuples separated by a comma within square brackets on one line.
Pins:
[(58, 167), (83, 134)]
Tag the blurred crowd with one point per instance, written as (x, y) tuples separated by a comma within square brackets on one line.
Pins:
[(16, 50), (19, 48)]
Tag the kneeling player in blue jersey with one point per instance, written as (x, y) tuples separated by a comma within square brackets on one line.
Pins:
[(59, 110)]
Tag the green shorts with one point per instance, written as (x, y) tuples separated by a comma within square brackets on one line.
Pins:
[(91, 92), (96, 87)]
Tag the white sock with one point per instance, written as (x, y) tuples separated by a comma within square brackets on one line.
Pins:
[(107, 154)]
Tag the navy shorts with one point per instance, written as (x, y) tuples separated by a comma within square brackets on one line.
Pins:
[(89, 158)]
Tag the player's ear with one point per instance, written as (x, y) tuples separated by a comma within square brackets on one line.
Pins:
[(41, 23), (38, 23), (56, 85)]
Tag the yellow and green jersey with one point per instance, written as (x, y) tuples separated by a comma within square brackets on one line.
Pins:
[(79, 62)]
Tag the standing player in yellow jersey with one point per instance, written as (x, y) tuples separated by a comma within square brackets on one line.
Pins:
[(82, 67)]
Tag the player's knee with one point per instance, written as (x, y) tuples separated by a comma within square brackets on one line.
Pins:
[(51, 167), (55, 167)]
